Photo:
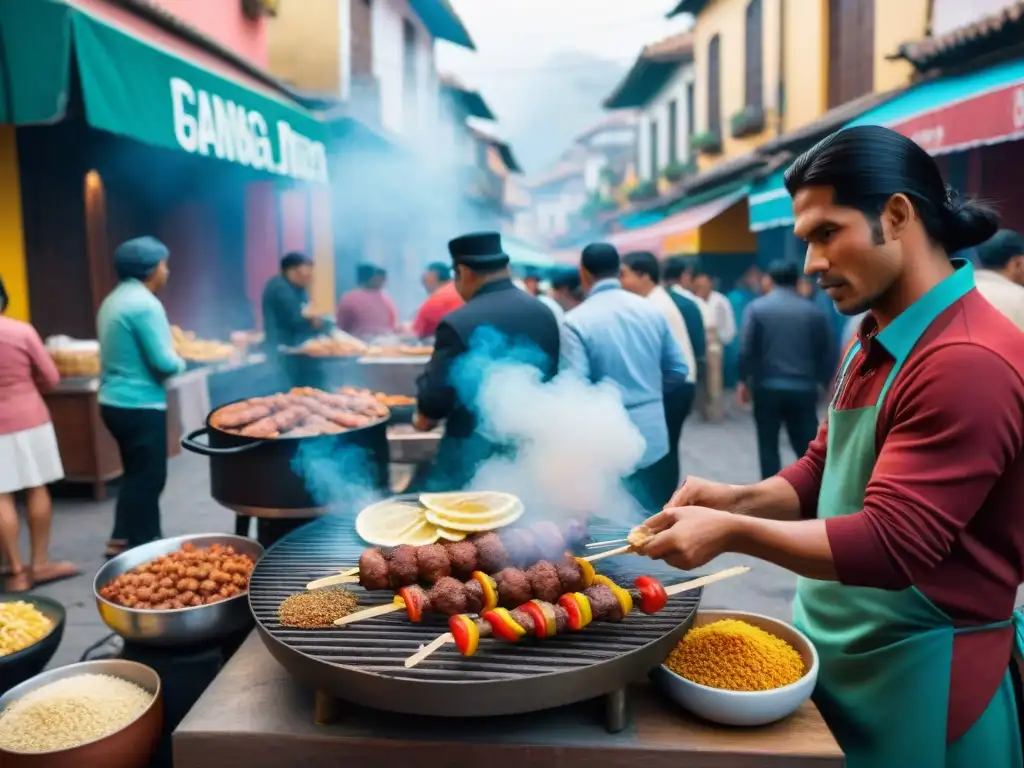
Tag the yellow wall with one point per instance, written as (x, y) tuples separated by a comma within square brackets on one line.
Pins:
[(895, 23), (806, 62), (729, 232), (322, 295), (12, 240), (305, 45)]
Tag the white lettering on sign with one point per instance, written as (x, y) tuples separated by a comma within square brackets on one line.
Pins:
[(930, 138), (207, 124), (1018, 109)]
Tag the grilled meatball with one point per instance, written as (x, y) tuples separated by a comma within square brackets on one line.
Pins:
[(524, 620), (513, 587), (432, 562), (491, 556), (561, 620), (603, 605), (549, 540), (570, 575), (461, 558), (521, 545), (403, 569), (474, 597), (373, 570), (543, 577), (448, 596)]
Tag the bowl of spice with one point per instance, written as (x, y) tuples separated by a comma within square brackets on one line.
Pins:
[(316, 609), (106, 713), (31, 627), (738, 668)]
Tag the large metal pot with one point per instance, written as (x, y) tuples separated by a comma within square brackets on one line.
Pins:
[(185, 626), (287, 476)]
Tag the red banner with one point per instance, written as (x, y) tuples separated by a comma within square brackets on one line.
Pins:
[(984, 119)]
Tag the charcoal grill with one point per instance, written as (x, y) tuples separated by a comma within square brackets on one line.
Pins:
[(363, 663)]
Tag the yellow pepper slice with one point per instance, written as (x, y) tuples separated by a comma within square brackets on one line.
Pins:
[(489, 588), (586, 613), (587, 571)]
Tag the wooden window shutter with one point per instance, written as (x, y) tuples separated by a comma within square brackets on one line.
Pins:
[(714, 85), (754, 56), (673, 132)]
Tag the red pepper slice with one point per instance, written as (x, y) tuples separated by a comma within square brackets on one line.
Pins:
[(413, 604), (547, 610), (540, 624), (572, 610), (465, 632), (652, 594), (503, 625), (489, 588)]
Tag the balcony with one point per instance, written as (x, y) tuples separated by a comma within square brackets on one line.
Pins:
[(364, 100), (707, 143), (749, 121)]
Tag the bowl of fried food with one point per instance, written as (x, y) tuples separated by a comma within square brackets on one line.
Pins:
[(31, 628), (179, 591)]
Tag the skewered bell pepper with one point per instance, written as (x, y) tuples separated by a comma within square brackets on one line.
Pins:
[(623, 597), (652, 594), (577, 608), (586, 570), (544, 622), (489, 587), (413, 603), (503, 624), (465, 632)]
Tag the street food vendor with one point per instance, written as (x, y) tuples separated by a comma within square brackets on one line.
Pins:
[(910, 572), (497, 310), (287, 318), (367, 311), (442, 299)]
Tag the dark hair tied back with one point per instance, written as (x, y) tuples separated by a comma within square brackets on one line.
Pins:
[(967, 223), (867, 164)]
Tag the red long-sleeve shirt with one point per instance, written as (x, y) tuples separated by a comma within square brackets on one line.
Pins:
[(943, 506), (25, 369)]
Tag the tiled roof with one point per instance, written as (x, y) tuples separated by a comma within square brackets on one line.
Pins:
[(502, 146), (687, 6), (622, 118), (997, 30), (471, 101), (674, 48), (655, 65)]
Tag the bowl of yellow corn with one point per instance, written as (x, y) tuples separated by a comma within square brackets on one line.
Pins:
[(31, 628), (738, 668)]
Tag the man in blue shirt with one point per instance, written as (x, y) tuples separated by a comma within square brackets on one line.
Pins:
[(620, 337), (787, 351)]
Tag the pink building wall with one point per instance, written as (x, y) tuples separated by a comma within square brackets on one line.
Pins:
[(224, 21)]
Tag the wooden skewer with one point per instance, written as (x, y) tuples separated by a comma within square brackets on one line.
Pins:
[(624, 550), (596, 544), (369, 613), (426, 650), (675, 589), (345, 577)]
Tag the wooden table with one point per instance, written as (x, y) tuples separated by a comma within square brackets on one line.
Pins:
[(255, 715)]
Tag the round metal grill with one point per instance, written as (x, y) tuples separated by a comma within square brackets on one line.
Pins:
[(363, 663)]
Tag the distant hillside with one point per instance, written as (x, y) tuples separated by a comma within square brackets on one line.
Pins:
[(543, 111)]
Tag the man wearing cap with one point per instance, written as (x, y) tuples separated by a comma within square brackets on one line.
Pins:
[(136, 359), (498, 322)]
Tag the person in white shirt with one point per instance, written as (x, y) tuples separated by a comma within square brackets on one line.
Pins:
[(718, 310), (1001, 277), (566, 292), (640, 274)]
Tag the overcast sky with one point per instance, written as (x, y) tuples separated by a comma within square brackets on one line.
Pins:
[(516, 36)]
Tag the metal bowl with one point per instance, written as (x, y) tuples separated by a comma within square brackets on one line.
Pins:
[(184, 626), (745, 707), (19, 666), (131, 747)]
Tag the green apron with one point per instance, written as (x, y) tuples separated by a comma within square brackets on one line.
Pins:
[(885, 656)]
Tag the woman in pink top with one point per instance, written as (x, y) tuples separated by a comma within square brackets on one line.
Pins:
[(29, 457)]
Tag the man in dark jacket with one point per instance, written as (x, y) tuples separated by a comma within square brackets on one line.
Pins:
[(498, 323)]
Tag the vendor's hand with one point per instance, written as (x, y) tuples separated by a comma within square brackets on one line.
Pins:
[(742, 394), (698, 492), (421, 423), (689, 537)]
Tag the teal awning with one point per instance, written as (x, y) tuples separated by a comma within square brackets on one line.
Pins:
[(770, 203), (440, 18), (524, 254), (133, 88)]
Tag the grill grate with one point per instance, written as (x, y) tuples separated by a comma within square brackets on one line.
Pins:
[(365, 661)]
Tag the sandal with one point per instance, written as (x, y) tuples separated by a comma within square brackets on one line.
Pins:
[(19, 581), (50, 572)]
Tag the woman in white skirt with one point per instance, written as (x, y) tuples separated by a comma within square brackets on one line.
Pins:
[(29, 457)]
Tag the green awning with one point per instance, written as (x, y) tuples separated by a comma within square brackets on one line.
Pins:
[(132, 88), (525, 254)]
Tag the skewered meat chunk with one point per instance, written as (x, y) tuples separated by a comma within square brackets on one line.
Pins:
[(373, 570)]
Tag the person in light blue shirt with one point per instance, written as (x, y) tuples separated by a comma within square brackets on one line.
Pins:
[(137, 358), (620, 337)]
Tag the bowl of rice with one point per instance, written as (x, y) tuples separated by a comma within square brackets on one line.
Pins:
[(31, 628), (106, 713), (738, 668)]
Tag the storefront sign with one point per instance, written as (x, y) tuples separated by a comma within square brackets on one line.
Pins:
[(207, 124), (997, 115)]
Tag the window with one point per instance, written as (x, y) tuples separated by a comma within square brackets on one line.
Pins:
[(691, 112), (715, 85), (409, 64), (654, 150), (754, 56), (851, 50), (673, 132), (361, 23)]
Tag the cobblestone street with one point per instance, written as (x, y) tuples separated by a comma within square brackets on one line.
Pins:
[(722, 451)]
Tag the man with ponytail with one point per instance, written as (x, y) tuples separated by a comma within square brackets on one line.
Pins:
[(910, 569)]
